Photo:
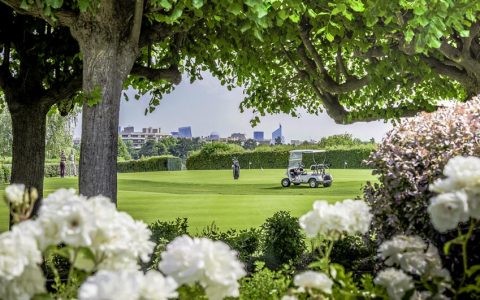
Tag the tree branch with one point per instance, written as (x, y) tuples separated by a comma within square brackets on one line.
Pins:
[(63, 92), (65, 17), (340, 65), (467, 42), (305, 37), (137, 22), (449, 71), (171, 74)]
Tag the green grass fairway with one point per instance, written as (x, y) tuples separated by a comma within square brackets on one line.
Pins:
[(213, 196)]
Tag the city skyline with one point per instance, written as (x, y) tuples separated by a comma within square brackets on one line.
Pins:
[(208, 107)]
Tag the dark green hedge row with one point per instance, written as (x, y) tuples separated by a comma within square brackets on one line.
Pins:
[(53, 169), (160, 163), (278, 159)]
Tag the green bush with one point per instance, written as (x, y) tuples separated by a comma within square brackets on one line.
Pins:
[(265, 284), (157, 163), (283, 239), (246, 241), (5, 173), (356, 253), (278, 159)]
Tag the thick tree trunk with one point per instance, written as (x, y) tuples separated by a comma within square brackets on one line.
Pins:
[(28, 149), (106, 63)]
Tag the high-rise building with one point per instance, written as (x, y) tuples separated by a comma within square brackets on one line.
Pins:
[(277, 134), (175, 134), (214, 136), (185, 132), (258, 136)]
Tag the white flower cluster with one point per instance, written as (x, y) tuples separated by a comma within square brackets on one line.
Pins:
[(210, 263), (20, 274), (395, 281), (116, 239), (413, 256), (332, 220), (14, 194), (128, 285), (459, 197), (315, 280)]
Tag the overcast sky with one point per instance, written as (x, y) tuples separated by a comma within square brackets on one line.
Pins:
[(208, 107)]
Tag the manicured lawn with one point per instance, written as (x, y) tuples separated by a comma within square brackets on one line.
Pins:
[(213, 196)]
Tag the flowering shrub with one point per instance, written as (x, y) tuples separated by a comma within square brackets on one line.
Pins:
[(412, 156)]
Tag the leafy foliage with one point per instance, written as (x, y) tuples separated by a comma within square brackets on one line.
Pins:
[(265, 284), (283, 240)]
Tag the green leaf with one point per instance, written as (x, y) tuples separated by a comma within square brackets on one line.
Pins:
[(83, 5), (177, 13), (357, 5), (434, 43), (472, 270), (166, 4), (339, 8), (56, 3), (24, 5), (294, 18), (85, 260), (197, 3), (330, 37), (464, 33), (409, 35)]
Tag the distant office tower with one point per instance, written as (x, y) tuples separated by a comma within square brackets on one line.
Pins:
[(185, 132), (258, 136), (277, 134), (175, 134), (129, 129), (214, 136), (120, 129), (238, 137)]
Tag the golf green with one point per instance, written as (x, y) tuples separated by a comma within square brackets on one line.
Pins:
[(213, 196)]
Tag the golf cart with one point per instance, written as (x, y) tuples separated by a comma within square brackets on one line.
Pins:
[(297, 174)]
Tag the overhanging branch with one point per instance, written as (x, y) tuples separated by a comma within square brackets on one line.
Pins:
[(63, 92), (65, 17), (171, 74)]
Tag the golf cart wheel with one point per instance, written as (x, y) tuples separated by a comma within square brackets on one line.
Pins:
[(313, 183), (285, 182), (327, 180)]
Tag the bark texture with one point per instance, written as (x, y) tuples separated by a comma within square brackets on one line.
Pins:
[(109, 43)]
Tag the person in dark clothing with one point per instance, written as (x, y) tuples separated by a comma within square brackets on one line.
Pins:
[(63, 161), (236, 169)]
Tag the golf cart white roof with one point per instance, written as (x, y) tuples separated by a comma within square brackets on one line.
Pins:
[(307, 151)]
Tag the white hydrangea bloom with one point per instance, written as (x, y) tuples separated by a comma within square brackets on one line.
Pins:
[(395, 281), (157, 287), (14, 194), (111, 285), (316, 280), (474, 202), (23, 287), (18, 249), (332, 220), (287, 297), (462, 172), (447, 210), (392, 251), (211, 263)]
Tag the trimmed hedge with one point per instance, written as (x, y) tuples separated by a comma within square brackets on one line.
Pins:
[(53, 169), (278, 159), (158, 163)]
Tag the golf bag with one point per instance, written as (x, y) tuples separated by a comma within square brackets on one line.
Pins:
[(236, 169)]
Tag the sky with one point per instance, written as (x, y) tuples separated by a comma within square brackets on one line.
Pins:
[(208, 107)]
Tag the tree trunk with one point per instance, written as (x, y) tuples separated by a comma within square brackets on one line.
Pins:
[(28, 149), (106, 63)]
